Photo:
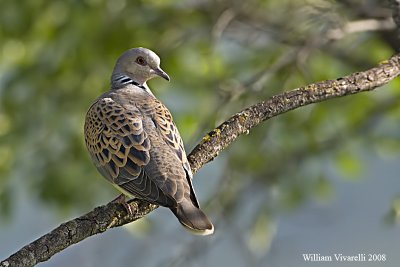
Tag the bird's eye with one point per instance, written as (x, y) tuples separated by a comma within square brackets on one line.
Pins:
[(141, 61)]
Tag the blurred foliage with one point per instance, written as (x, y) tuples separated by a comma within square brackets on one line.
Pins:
[(56, 58)]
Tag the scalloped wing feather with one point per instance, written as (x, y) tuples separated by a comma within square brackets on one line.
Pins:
[(165, 125), (120, 148)]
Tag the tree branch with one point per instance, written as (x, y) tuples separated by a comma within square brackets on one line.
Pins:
[(222, 136), (361, 26), (114, 215)]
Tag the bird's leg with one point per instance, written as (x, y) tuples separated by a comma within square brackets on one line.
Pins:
[(121, 199)]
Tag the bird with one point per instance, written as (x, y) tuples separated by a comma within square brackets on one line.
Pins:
[(135, 144)]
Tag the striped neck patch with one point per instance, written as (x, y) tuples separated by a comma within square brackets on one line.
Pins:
[(122, 81)]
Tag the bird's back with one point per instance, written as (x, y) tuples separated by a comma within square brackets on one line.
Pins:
[(167, 165)]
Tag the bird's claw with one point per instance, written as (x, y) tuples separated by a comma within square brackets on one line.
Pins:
[(121, 199)]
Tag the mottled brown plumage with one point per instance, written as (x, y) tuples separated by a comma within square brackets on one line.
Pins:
[(135, 144)]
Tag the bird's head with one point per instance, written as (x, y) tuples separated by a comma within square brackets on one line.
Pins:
[(140, 64)]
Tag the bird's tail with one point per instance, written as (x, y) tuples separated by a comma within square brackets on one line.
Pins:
[(193, 219)]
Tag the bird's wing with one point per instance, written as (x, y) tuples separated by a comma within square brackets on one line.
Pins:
[(163, 121), (119, 147), (165, 125)]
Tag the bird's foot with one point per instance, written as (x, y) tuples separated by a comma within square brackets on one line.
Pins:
[(121, 199)]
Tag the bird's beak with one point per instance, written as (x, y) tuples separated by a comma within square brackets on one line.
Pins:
[(161, 73)]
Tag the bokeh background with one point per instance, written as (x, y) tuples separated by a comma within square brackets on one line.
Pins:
[(321, 179)]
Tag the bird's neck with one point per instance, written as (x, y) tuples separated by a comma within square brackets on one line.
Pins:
[(121, 80)]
